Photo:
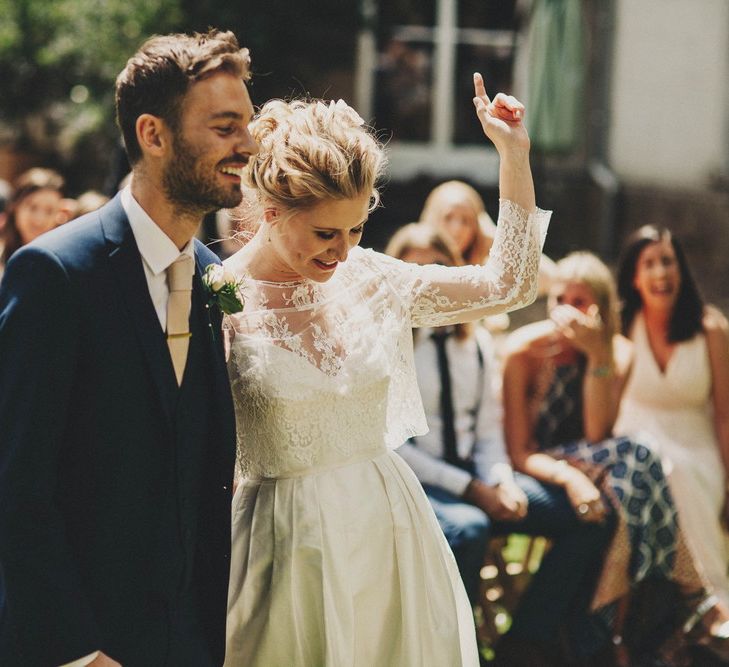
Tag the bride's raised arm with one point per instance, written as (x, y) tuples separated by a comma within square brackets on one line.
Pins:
[(446, 295)]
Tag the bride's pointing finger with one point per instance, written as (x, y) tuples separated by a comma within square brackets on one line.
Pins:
[(480, 89)]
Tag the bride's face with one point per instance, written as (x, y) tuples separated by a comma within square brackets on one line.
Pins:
[(312, 243)]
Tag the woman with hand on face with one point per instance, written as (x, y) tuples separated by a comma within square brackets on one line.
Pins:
[(677, 395), (562, 384), (33, 209), (337, 557)]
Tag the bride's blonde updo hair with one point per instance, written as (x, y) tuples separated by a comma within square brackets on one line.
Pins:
[(309, 152)]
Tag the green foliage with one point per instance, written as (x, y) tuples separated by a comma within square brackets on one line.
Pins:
[(59, 60), (48, 47)]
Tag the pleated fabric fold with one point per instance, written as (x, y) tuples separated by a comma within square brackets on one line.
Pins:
[(345, 567)]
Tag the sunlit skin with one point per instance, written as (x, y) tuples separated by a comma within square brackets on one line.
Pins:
[(37, 214), (578, 327), (214, 130), (184, 175), (658, 276), (306, 244), (576, 295)]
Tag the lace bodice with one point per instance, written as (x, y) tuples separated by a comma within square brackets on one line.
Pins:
[(324, 372)]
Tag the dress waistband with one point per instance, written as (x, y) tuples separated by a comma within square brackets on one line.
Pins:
[(316, 470)]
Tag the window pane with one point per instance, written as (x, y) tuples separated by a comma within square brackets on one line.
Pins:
[(406, 12), (489, 14), (403, 89), (495, 64)]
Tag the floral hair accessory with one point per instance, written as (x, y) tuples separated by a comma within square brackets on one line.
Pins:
[(223, 288), (340, 107)]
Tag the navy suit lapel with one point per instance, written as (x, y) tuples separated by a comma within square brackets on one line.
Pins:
[(214, 318), (129, 272), (224, 418)]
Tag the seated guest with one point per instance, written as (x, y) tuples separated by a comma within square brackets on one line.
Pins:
[(33, 209), (465, 473), (457, 210), (562, 383), (677, 395)]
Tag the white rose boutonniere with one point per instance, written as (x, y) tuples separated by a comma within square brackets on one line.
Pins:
[(223, 288)]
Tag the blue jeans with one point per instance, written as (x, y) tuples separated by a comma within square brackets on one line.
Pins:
[(559, 593)]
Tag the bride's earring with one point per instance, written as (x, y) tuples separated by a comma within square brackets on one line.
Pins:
[(269, 216)]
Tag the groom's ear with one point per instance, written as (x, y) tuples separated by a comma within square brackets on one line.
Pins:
[(153, 135)]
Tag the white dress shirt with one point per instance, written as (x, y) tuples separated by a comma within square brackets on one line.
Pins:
[(158, 251), (476, 410)]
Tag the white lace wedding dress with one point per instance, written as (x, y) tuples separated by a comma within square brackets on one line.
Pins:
[(337, 558)]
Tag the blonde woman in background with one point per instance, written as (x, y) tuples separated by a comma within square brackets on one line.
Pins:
[(457, 209)]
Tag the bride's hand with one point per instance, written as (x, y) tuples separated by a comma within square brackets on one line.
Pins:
[(501, 118)]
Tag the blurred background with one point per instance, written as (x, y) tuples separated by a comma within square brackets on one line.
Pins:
[(627, 102)]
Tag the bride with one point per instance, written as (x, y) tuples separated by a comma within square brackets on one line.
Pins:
[(337, 557)]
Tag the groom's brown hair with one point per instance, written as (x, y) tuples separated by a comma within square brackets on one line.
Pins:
[(157, 77)]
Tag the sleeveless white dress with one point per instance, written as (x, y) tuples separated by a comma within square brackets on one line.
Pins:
[(672, 412), (337, 558)]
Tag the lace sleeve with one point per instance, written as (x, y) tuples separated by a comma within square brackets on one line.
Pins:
[(440, 295)]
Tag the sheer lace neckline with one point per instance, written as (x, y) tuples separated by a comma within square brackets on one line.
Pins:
[(246, 276)]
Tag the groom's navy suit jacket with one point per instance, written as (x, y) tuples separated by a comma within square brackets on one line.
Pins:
[(115, 484)]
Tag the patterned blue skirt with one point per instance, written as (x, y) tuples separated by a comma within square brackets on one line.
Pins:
[(648, 542)]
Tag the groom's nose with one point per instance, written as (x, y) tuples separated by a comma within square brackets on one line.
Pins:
[(246, 144)]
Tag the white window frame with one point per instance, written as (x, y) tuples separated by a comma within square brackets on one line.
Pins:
[(439, 157)]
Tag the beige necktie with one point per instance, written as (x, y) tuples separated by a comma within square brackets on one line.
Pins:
[(179, 281)]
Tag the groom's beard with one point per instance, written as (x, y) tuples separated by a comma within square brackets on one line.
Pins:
[(190, 182)]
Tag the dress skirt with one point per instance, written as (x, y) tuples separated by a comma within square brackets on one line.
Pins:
[(344, 567)]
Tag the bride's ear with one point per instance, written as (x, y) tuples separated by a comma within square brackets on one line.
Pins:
[(271, 215)]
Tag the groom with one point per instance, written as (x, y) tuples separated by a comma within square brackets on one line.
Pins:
[(117, 429)]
